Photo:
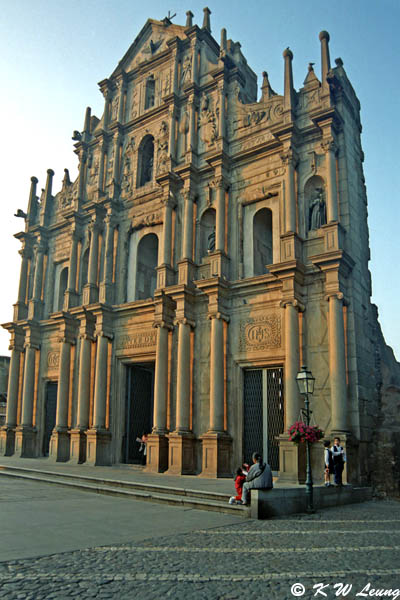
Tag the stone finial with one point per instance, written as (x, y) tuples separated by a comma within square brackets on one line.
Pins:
[(311, 77), (339, 62), (325, 60), (86, 126), (32, 203), (223, 40), (66, 180), (288, 80), (46, 198), (189, 19), (266, 89), (206, 19)]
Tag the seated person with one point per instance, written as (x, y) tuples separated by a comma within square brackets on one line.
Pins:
[(259, 477)]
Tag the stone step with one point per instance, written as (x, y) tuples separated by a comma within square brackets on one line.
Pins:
[(144, 487), (160, 494)]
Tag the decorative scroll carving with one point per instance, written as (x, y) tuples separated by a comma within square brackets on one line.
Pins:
[(260, 333), (53, 360), (153, 218), (139, 339)]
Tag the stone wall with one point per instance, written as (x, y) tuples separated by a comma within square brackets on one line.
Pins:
[(385, 448)]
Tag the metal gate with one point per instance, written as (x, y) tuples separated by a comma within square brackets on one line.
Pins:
[(50, 411), (263, 413), (139, 409)]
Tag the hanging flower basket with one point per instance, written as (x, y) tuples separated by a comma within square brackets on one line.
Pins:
[(299, 433)]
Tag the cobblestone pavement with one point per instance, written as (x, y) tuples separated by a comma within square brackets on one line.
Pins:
[(356, 545)]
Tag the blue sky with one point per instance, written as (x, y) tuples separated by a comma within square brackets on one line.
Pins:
[(53, 53)]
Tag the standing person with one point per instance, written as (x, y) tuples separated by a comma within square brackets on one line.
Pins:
[(328, 460), (239, 481), (258, 477), (143, 447), (339, 458)]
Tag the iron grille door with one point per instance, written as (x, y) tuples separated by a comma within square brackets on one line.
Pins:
[(49, 414), (275, 418), (253, 413), (139, 414)]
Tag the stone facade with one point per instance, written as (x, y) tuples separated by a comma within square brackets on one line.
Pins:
[(211, 244)]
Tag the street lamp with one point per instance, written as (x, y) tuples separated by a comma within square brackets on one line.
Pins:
[(305, 383)]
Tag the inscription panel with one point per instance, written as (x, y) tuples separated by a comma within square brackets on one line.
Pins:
[(138, 341)]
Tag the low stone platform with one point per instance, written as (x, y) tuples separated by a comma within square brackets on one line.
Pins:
[(133, 482)]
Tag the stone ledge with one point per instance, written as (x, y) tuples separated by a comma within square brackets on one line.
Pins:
[(281, 502)]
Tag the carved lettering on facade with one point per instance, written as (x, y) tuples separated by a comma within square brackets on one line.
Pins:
[(53, 360), (260, 333), (139, 339)]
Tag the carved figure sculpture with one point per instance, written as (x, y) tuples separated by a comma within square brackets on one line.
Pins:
[(186, 70), (207, 122), (211, 241), (162, 154), (114, 110), (317, 211)]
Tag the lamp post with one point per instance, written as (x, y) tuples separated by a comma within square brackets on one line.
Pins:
[(305, 383)]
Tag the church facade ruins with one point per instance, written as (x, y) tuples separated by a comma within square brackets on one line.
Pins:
[(211, 244)]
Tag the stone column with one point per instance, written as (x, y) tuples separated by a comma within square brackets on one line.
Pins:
[(98, 437), (172, 132), (291, 457), (23, 277), (289, 160), (221, 93), (165, 274), (330, 150), (216, 442), (7, 433), (187, 246), (90, 291), (106, 286), (77, 435), (337, 364), (25, 433), (59, 442), (192, 124), (36, 304), (220, 217), (181, 448), (195, 63), (71, 293)]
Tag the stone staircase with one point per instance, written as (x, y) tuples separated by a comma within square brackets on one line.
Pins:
[(150, 492)]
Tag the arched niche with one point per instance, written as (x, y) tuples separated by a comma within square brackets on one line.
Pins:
[(150, 92), (262, 241), (207, 232), (315, 203), (84, 268), (143, 261), (145, 161)]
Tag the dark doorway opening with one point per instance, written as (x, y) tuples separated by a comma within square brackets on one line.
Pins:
[(50, 411), (138, 409), (263, 413)]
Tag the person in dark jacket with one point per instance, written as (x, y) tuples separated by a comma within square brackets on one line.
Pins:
[(259, 477)]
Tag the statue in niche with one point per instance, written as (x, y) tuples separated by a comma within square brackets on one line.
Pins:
[(94, 170), (167, 84), (186, 70), (317, 210), (110, 167), (126, 175), (114, 109), (207, 122), (211, 241), (183, 130), (162, 154), (134, 104)]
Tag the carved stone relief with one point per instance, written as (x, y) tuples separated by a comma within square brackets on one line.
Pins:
[(53, 360), (207, 122), (162, 149), (260, 333)]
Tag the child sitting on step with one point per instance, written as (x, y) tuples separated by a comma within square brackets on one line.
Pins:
[(239, 481)]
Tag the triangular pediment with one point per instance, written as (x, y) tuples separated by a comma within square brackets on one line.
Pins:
[(151, 41)]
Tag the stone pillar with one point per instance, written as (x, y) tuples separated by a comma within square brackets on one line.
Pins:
[(181, 441), (172, 132), (195, 62), (221, 93), (192, 124), (59, 442), (90, 291), (98, 437), (325, 60), (187, 246), (7, 433), (25, 434), (23, 277), (165, 272), (337, 365), (157, 446), (71, 293), (107, 286), (220, 217), (36, 304), (217, 444), (289, 160), (291, 456), (330, 150), (77, 436)]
